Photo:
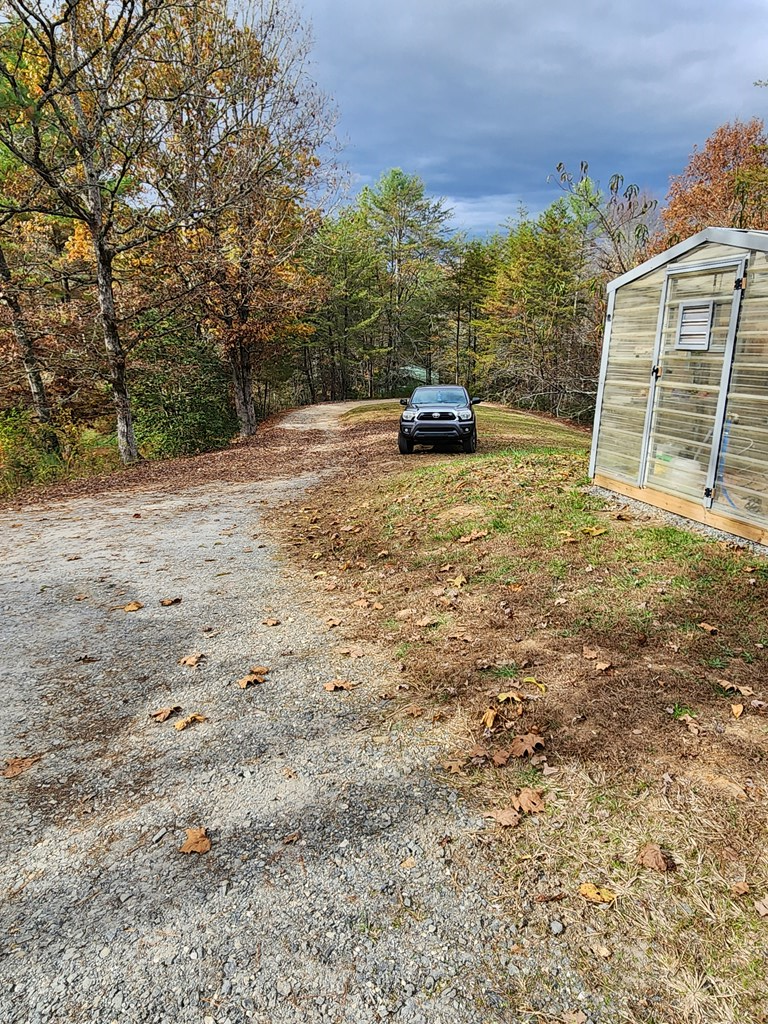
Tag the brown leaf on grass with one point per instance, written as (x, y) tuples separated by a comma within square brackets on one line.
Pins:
[(163, 714), (489, 718), (332, 622), (529, 801), (166, 602), (455, 767), (507, 817), (745, 691), (458, 581), (594, 531), (338, 684), (739, 888), (377, 606), (513, 695), (270, 622), (761, 906), (652, 856), (708, 628), (691, 724), (427, 621), (183, 723), (527, 744), (589, 652), (413, 711), (595, 894), (196, 842), (363, 602), (500, 758), (16, 766), (191, 660), (737, 710), (603, 666), (477, 753), (470, 538)]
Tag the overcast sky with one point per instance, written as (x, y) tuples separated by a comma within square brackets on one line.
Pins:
[(482, 98)]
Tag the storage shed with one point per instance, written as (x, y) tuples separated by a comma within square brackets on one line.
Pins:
[(682, 405)]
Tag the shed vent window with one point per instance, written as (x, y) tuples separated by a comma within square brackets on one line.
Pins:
[(695, 326)]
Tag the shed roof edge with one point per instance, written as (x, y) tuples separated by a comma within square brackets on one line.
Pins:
[(739, 238)]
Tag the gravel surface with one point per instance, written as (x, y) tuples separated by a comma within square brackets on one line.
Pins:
[(344, 883)]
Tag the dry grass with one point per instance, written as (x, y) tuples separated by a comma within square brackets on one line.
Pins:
[(501, 571)]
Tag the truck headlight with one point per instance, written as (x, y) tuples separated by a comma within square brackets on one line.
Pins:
[(408, 415), (465, 414)]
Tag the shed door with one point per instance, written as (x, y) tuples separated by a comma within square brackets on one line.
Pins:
[(689, 379)]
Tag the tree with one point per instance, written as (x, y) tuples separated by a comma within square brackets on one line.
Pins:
[(725, 184)]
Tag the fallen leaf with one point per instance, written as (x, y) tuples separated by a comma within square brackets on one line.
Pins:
[(270, 622), (458, 581), (602, 666), (594, 894), (377, 606), (15, 766), (333, 623), (500, 758), (652, 856), (196, 842), (353, 652), (507, 817), (427, 621), (251, 679), (739, 888), (132, 606), (292, 837), (574, 1017), (404, 613), (489, 718), (745, 691), (594, 531), (761, 906), (526, 744), (259, 670), (166, 602), (362, 603), (737, 710), (530, 801), (339, 684), (408, 863), (191, 660), (81, 597), (470, 538), (414, 711), (690, 723), (589, 653), (163, 714), (189, 720), (477, 753), (712, 630), (455, 766), (514, 695)]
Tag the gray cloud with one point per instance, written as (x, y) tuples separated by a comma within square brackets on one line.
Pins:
[(483, 98)]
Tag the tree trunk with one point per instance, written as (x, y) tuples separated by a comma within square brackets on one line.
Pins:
[(26, 347), (126, 440), (242, 381)]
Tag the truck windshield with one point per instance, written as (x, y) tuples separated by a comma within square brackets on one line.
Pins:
[(439, 396)]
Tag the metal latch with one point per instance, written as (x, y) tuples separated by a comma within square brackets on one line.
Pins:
[(656, 371)]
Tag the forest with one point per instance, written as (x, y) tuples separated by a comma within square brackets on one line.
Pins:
[(180, 255)]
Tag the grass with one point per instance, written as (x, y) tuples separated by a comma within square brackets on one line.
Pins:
[(608, 615)]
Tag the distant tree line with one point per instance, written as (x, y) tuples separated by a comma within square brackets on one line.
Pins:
[(170, 273)]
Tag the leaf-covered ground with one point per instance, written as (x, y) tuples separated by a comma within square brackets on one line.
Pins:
[(596, 679)]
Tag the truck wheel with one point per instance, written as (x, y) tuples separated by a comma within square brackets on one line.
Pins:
[(469, 444), (404, 444)]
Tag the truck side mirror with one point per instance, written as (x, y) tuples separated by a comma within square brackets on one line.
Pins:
[(403, 401)]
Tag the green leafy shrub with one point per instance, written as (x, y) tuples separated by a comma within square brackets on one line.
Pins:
[(180, 396)]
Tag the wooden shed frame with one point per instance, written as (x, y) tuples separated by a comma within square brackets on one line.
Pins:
[(681, 420)]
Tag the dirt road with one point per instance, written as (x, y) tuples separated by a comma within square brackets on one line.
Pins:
[(343, 883)]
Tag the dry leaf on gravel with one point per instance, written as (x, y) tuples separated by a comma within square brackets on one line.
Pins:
[(166, 602), (339, 684), (163, 714), (332, 623), (530, 801), (81, 597), (408, 863), (761, 906), (595, 894), (192, 660), (454, 767), (352, 652), (132, 606), (270, 622), (292, 837), (652, 856), (252, 679), (196, 842), (507, 817), (15, 766), (527, 744), (189, 720)]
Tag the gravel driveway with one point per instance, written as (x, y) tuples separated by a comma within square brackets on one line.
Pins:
[(343, 883)]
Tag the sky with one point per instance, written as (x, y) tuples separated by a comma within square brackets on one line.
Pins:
[(483, 98)]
